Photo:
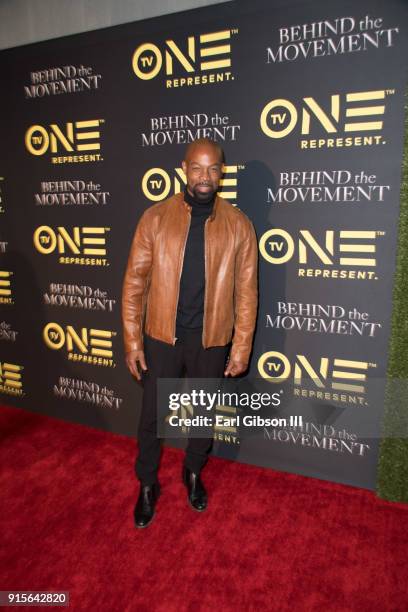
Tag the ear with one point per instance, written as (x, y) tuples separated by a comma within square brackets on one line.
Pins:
[(184, 166)]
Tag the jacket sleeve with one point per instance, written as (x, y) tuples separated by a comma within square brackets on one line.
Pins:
[(245, 294), (135, 284)]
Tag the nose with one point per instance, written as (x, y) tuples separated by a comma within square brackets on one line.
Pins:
[(204, 174)]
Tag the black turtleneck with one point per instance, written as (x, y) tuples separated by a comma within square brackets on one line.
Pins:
[(190, 309)]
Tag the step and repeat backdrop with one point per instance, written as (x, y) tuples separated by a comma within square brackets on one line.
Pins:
[(307, 100)]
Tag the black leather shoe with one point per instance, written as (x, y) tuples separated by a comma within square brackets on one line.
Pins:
[(144, 509), (196, 493)]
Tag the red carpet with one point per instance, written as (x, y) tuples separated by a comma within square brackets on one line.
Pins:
[(268, 541)]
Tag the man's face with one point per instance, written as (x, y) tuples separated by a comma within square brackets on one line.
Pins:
[(203, 170)]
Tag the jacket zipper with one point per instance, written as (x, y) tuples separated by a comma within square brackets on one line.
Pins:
[(180, 271), (205, 277)]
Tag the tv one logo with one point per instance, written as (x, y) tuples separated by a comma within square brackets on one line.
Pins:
[(10, 378), (92, 342), (339, 374), (280, 116), (77, 136), (201, 53), (277, 246), (81, 240), (158, 183), (5, 287)]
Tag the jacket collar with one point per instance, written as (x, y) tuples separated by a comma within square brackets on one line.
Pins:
[(180, 197)]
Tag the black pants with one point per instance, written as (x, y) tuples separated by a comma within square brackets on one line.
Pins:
[(172, 361)]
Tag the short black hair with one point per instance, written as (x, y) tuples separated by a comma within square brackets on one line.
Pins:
[(205, 142)]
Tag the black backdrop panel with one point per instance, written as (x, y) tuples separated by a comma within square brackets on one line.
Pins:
[(307, 100)]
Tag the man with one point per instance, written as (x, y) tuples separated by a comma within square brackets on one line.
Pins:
[(190, 286)]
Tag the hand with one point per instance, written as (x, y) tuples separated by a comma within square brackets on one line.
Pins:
[(235, 367), (133, 359)]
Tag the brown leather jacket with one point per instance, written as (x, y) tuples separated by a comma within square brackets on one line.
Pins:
[(152, 279)]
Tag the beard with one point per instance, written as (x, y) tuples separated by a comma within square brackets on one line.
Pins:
[(205, 195)]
